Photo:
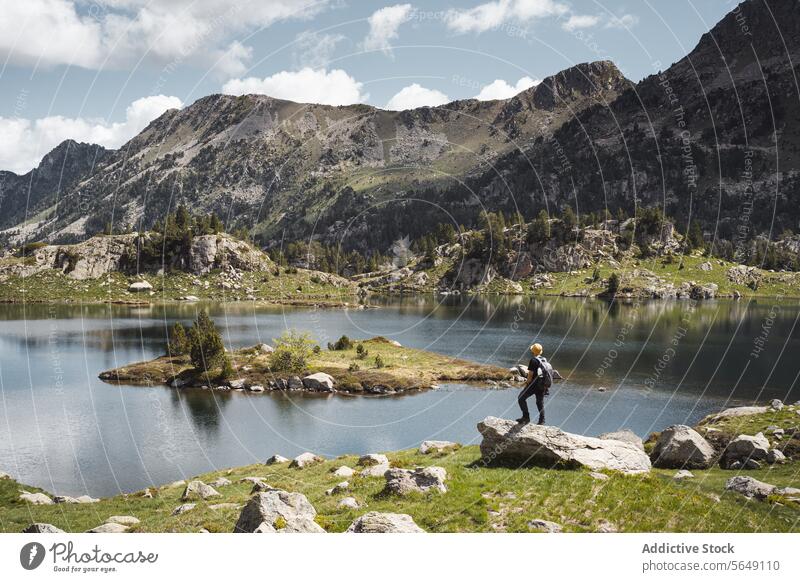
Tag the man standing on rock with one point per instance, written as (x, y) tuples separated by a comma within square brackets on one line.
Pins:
[(540, 378)]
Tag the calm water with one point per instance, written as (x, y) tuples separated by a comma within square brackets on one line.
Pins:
[(661, 362)]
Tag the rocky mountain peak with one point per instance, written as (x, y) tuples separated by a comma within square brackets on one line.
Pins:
[(583, 80)]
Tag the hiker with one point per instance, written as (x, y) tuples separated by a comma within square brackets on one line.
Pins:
[(540, 378)]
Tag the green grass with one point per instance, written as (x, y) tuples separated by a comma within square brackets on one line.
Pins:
[(479, 499)]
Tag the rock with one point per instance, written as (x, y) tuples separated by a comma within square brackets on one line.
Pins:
[(295, 383), (256, 388), (681, 447), (598, 476), (198, 490), (375, 471), (109, 528), (42, 528), (281, 511), (220, 482), (86, 499), (176, 484), (349, 503), (35, 498), (790, 493), (190, 298), (372, 459), (745, 448), (605, 526), (251, 480), (344, 471), (776, 404), (264, 348), (305, 459), (683, 474), (237, 384), (625, 435), (5, 476), (64, 499), (436, 446), (545, 526), (734, 413), (123, 520), (421, 480), (140, 287), (276, 460), (319, 382), (705, 266), (261, 487), (223, 506), (505, 441), (183, 508), (377, 522), (520, 369), (775, 456), (749, 487), (338, 488)]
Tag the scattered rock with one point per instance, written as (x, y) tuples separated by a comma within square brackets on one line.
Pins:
[(344, 471), (377, 522), (372, 459), (775, 456), (338, 488), (349, 503), (745, 448), (6, 476), (183, 508), (319, 382), (375, 471), (776, 404), (279, 511), (262, 487), (705, 266), (140, 287), (679, 447), (176, 484), (42, 528), (505, 441), (436, 446), (545, 526), (220, 482), (276, 460), (264, 348), (128, 520), (35, 498), (109, 528), (256, 388), (222, 506), (305, 459), (749, 487), (625, 435), (404, 481), (605, 526), (198, 490), (683, 474)]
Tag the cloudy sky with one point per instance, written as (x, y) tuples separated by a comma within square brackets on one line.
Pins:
[(100, 70)]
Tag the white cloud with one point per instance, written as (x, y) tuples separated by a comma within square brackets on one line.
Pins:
[(624, 21), (307, 85), (494, 14), (499, 89), (414, 96), (384, 25), (118, 33), (576, 21), (315, 49), (26, 141), (233, 60)]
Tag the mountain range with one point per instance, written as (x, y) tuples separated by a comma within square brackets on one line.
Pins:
[(713, 137)]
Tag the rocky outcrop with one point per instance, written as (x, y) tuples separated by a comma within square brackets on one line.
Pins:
[(198, 490), (749, 487), (437, 446), (276, 460), (624, 435), (319, 382), (35, 498), (42, 528), (745, 452), (218, 251), (305, 459), (278, 512), (507, 442), (681, 447), (422, 480), (377, 522)]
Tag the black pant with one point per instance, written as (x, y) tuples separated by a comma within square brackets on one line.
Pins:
[(534, 388)]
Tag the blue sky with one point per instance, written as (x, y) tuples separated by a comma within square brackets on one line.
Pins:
[(100, 70)]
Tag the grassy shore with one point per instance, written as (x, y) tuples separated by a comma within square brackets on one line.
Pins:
[(403, 369), (479, 499)]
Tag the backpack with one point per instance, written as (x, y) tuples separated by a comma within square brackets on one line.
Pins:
[(547, 371)]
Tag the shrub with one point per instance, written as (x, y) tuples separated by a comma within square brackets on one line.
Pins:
[(353, 367), (343, 343), (316, 349), (227, 369), (613, 283), (361, 352), (206, 349), (379, 361), (179, 341), (292, 351)]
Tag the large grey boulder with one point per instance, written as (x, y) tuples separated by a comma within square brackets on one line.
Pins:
[(745, 448), (319, 382), (140, 287), (198, 490), (682, 447), (276, 460), (377, 522), (344, 471), (625, 435), (42, 528), (278, 511), (35, 498), (749, 487), (375, 471), (421, 480), (372, 459), (305, 460), (505, 441)]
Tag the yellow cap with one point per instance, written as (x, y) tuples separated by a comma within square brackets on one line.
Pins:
[(536, 349)]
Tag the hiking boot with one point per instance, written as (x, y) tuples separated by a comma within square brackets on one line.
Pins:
[(523, 420)]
